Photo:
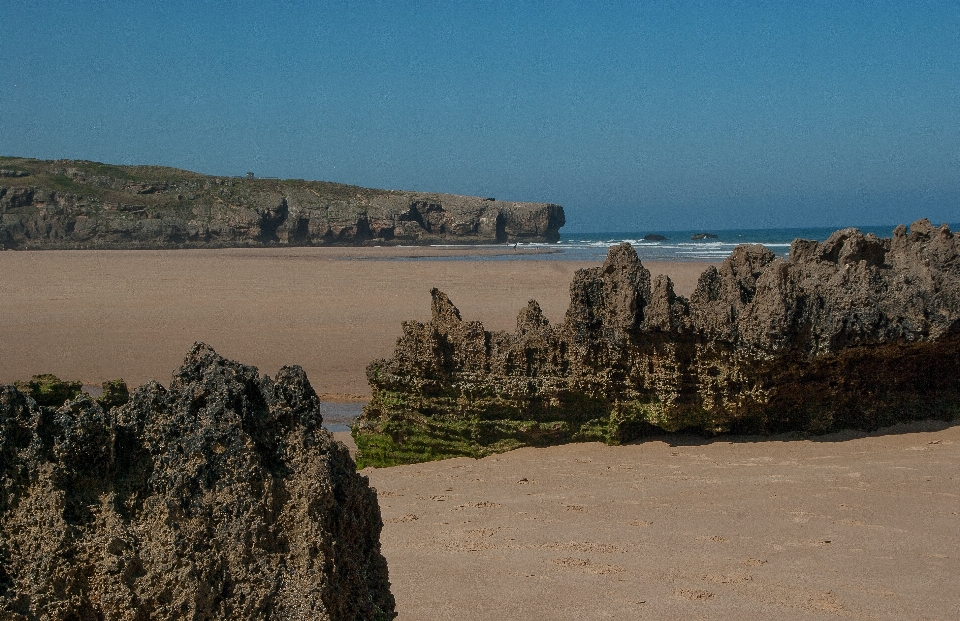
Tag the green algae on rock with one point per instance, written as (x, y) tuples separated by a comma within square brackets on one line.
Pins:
[(49, 390), (221, 497), (855, 332)]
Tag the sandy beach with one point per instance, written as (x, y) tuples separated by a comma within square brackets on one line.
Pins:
[(848, 526), (837, 527), (99, 315)]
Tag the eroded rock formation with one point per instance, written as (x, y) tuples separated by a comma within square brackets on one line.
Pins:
[(855, 332), (220, 498), (76, 204)]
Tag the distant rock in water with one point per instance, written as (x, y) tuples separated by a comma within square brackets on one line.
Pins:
[(698, 236), (654, 237), (79, 204), (855, 332), (220, 498)]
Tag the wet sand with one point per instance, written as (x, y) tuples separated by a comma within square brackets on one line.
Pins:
[(99, 315)]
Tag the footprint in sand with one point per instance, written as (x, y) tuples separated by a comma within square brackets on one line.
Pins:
[(571, 562), (727, 578), (753, 562), (483, 504), (403, 518), (584, 564), (693, 594), (582, 546), (713, 538)]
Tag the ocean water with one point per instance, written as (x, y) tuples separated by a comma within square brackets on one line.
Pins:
[(339, 416), (678, 246)]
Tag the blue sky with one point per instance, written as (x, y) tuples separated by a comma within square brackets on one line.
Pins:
[(632, 115)]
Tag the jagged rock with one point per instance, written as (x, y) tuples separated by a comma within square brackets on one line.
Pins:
[(115, 393), (75, 204), (220, 498), (855, 332)]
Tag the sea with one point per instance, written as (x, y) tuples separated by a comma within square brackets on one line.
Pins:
[(678, 245)]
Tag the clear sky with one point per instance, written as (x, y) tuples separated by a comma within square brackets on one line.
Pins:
[(632, 115)]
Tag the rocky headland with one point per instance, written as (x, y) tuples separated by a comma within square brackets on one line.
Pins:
[(67, 204), (854, 332), (221, 497)]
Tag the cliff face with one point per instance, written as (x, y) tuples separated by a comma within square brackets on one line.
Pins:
[(855, 332), (74, 204), (220, 498)]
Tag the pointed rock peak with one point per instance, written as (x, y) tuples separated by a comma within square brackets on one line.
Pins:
[(709, 286), (921, 229), (663, 288), (203, 363), (802, 250), (850, 246), (752, 257), (203, 354), (531, 318), (442, 308), (292, 389), (620, 257)]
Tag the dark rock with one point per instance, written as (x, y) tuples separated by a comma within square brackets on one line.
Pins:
[(654, 237), (703, 236), (115, 394), (220, 498), (855, 332), (75, 204)]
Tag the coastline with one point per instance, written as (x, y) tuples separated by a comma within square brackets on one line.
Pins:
[(98, 315), (843, 525)]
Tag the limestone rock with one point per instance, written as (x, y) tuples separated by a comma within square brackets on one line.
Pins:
[(75, 204), (855, 332), (220, 498)]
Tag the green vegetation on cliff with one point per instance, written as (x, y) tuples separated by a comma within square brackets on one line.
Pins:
[(80, 204)]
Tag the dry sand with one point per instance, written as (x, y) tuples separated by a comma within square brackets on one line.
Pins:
[(99, 315), (681, 528), (838, 527)]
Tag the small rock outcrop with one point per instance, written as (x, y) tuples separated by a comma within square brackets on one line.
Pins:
[(854, 332), (67, 204), (221, 497)]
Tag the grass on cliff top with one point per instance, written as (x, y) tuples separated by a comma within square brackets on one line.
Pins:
[(50, 174)]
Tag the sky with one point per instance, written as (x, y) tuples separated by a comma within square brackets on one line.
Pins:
[(635, 116)]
